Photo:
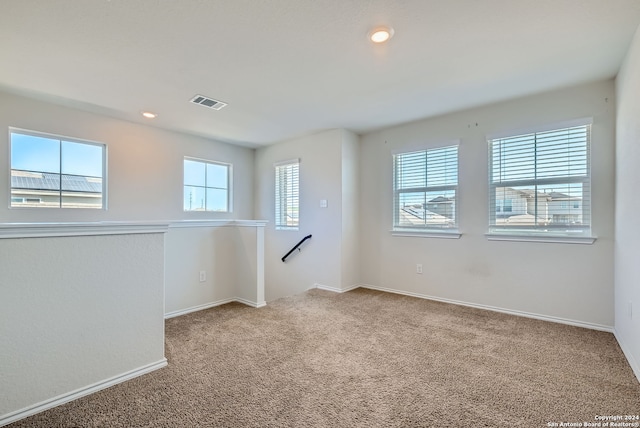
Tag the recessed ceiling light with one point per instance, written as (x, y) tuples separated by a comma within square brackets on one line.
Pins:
[(149, 115), (380, 34)]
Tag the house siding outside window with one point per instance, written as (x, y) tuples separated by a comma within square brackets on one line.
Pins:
[(540, 182)]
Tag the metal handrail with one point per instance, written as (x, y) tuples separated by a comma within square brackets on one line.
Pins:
[(296, 247)]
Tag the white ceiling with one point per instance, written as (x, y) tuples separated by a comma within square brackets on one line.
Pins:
[(292, 67)]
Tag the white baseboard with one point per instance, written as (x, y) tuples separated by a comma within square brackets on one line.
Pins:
[(627, 353), (335, 289), (250, 303), (180, 312), (559, 320), (78, 393)]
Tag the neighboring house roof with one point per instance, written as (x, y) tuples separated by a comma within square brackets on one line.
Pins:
[(441, 199), (419, 216), (552, 196), (48, 181), (555, 196), (528, 193)]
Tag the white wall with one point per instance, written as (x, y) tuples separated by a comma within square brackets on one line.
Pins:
[(350, 210), (320, 262), (189, 251), (77, 312), (144, 164), (249, 264), (627, 234), (562, 281), (231, 254)]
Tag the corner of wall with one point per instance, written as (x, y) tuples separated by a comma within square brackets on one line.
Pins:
[(350, 169), (627, 231)]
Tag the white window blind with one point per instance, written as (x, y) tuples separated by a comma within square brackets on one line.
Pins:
[(540, 183), (425, 189), (287, 195)]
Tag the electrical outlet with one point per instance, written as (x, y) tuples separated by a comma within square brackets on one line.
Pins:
[(203, 275), (419, 268)]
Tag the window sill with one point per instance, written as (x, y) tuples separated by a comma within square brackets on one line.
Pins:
[(586, 240), (426, 234)]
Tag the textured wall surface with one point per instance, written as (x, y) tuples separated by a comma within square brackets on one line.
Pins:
[(75, 311), (627, 268)]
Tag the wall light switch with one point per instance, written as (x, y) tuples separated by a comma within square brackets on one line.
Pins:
[(203, 276), (324, 203)]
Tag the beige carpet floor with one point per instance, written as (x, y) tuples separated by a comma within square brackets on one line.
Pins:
[(365, 359)]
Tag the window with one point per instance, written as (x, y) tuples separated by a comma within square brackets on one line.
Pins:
[(206, 186), (425, 189), (287, 195), (545, 177), (54, 172)]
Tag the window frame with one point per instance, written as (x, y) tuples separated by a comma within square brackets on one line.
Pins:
[(426, 230), (228, 189), (544, 233), (61, 139), (287, 201)]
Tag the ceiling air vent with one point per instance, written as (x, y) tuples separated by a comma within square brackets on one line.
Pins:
[(208, 102)]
